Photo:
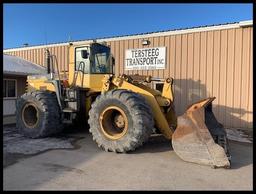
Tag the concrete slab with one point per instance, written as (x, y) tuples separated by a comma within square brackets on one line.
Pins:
[(154, 166)]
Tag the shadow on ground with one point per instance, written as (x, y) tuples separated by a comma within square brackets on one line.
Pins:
[(241, 152), (18, 147)]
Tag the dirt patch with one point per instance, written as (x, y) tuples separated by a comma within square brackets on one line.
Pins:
[(16, 146)]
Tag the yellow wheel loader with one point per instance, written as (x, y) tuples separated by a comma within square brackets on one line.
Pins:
[(122, 111)]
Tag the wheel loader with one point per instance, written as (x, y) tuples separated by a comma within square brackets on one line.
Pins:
[(122, 111)]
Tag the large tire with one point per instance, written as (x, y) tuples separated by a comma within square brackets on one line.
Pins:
[(38, 114), (138, 115)]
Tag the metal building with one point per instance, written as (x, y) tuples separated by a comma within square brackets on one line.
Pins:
[(204, 61)]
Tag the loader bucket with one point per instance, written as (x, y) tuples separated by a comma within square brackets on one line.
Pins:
[(200, 138)]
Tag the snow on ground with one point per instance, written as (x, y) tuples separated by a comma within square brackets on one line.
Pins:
[(238, 135)]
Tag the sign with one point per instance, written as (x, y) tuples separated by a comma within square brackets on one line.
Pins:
[(145, 58)]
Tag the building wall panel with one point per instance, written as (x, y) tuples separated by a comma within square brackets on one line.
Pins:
[(250, 88), (223, 75), (183, 72), (177, 73), (245, 75), (189, 77), (167, 44), (230, 76), (202, 64), (161, 44)]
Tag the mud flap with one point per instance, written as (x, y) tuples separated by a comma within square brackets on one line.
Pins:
[(200, 138)]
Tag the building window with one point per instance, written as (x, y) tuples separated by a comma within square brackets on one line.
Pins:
[(9, 88)]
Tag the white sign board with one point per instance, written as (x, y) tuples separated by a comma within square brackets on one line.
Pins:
[(145, 58)]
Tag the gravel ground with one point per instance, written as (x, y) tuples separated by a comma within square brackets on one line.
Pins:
[(17, 146)]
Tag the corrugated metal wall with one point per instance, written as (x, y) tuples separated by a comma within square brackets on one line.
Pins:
[(37, 55), (211, 63)]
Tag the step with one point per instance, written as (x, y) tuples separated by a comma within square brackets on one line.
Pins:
[(70, 100), (68, 110)]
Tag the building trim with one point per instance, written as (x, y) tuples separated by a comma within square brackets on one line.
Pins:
[(14, 73), (240, 24), (9, 115)]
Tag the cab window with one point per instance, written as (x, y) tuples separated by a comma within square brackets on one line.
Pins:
[(82, 64), (100, 59)]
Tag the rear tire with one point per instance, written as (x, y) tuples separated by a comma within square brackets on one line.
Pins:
[(136, 121), (38, 114)]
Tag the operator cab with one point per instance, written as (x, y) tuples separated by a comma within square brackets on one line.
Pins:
[(89, 64), (93, 59)]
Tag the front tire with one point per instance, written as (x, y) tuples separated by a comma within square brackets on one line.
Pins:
[(120, 120), (38, 114)]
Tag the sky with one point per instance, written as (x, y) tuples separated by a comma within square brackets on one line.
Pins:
[(37, 24)]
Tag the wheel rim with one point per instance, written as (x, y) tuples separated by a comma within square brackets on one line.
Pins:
[(113, 122), (30, 115)]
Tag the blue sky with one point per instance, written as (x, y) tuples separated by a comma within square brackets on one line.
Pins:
[(49, 23)]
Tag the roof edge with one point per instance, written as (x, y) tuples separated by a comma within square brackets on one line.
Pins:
[(37, 65), (13, 73), (240, 24)]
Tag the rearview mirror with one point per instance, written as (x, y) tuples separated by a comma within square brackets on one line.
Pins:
[(113, 64), (84, 54), (113, 61)]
